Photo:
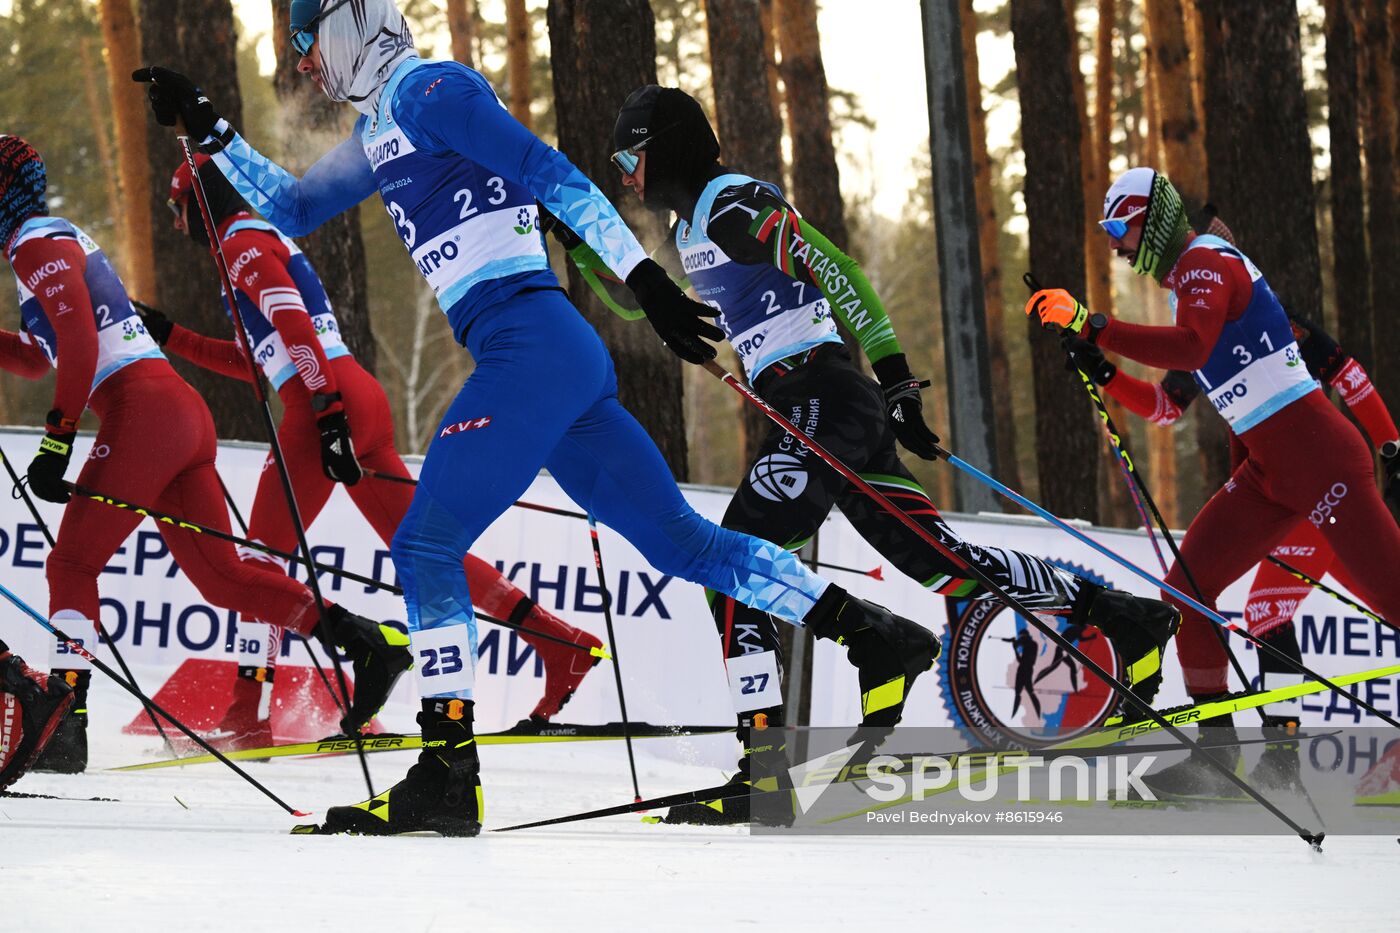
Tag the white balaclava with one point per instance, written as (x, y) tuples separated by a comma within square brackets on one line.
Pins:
[(361, 45)]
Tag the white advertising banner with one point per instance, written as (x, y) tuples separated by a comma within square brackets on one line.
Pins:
[(665, 638)]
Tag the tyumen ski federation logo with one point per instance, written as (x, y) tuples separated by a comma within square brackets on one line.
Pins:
[(1006, 683), (778, 477)]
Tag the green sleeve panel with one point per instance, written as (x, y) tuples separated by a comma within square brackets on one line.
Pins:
[(605, 284), (804, 253)]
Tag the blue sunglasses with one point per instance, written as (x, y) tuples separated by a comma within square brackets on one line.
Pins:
[(1118, 226), (304, 36), (627, 159)]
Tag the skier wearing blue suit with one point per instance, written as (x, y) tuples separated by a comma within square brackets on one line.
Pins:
[(461, 178)]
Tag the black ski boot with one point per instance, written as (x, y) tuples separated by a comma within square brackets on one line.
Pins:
[(32, 708), (1279, 768), (379, 654), (1139, 629), (761, 735), (67, 750), (888, 651), (1195, 777), (440, 794)]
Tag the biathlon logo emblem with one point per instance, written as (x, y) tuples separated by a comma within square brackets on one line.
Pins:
[(1006, 683), (460, 426), (778, 477)]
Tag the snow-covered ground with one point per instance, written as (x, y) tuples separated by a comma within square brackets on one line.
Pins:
[(220, 858)]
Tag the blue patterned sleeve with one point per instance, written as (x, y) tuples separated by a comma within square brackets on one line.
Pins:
[(337, 182), (463, 114)]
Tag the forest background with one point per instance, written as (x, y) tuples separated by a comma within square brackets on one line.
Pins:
[(1283, 115)]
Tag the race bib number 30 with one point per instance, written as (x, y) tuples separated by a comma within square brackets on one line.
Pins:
[(443, 659)]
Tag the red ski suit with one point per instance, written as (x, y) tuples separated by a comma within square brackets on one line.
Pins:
[(155, 446), (260, 263), (1303, 470), (1275, 593)]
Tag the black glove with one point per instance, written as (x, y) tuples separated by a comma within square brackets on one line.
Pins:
[(679, 321), (1390, 470), (157, 324), (904, 407), (337, 450), (174, 96), (1088, 359), (50, 463)]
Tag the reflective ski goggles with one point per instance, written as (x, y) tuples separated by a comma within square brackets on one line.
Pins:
[(1118, 226), (627, 159), (305, 37)]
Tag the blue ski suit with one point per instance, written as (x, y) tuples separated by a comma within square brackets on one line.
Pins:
[(460, 178)]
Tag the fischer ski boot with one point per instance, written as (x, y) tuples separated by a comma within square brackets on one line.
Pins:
[(888, 651), (379, 654), (1197, 778), (32, 709), (67, 751), (440, 794), (564, 667), (763, 763), (1139, 629), (241, 727)]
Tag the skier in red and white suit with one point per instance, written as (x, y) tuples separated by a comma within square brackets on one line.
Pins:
[(328, 399), (1302, 462), (156, 446)]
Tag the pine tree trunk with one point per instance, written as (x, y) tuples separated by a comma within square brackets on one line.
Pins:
[(1350, 272), (1114, 506), (461, 27), (1379, 129), (518, 60), (988, 241), (97, 103), (1067, 446), (1184, 162), (198, 38), (129, 110), (336, 248), (816, 181), (1183, 146), (601, 51), (1273, 212), (750, 132), (1212, 435)]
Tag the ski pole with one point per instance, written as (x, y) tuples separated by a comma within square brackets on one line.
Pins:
[(1209, 613), (1312, 839), (519, 503), (1137, 490), (77, 648), (1318, 584), (1115, 440), (260, 393), (22, 493), (315, 661), (197, 528), (875, 573), (612, 638)]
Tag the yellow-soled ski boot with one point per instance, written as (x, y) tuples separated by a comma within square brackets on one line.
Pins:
[(379, 654), (440, 794), (1139, 629), (888, 651)]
